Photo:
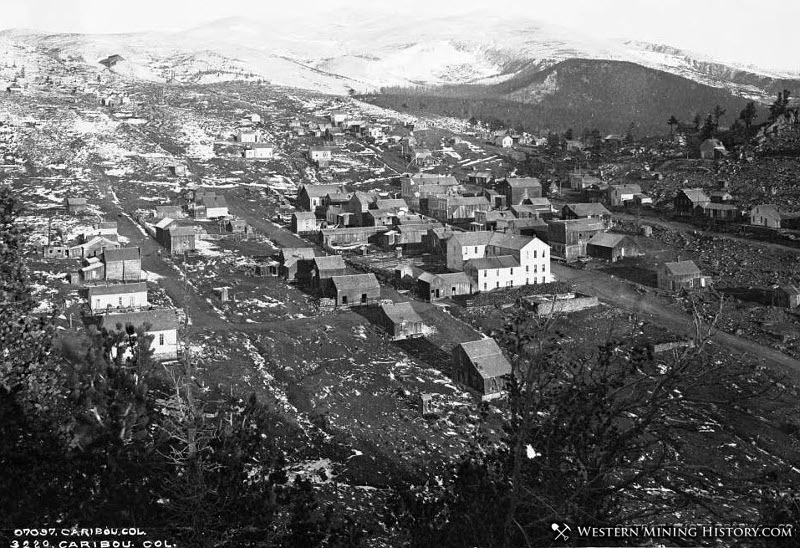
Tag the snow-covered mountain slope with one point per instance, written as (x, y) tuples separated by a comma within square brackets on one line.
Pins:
[(338, 50)]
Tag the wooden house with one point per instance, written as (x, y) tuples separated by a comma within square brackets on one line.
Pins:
[(688, 199), (453, 209), (355, 289), (118, 296), (322, 271), (400, 321), (312, 197), (75, 206), (679, 275), (162, 325), (320, 155), (771, 216), (290, 259), (175, 238), (786, 296), (592, 211), (258, 151), (518, 190), (612, 247), (304, 222), (123, 264), (432, 287), (620, 195), (481, 366), (569, 239)]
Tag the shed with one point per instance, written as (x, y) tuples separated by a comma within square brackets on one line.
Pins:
[(75, 205), (480, 365), (612, 246), (355, 289), (290, 259), (400, 321), (786, 296), (123, 264), (161, 324), (303, 222), (432, 287), (680, 275)]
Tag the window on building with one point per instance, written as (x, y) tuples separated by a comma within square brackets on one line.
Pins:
[(511, 271), (476, 249), (485, 273), (527, 268), (534, 253), (498, 284), (485, 286), (160, 339), (120, 302), (344, 299)]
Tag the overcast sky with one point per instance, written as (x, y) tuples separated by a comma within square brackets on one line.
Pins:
[(747, 31)]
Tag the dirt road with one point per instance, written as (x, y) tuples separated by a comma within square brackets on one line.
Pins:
[(684, 227), (623, 294)]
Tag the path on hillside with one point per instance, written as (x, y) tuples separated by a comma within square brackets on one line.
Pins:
[(614, 291), (688, 228)]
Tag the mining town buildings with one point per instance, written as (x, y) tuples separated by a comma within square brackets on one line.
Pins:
[(75, 205), (400, 321), (520, 190), (355, 289), (161, 324), (687, 199), (320, 155), (432, 287), (303, 222), (123, 264), (770, 216), (290, 259), (481, 366), (569, 239), (118, 296), (312, 197), (679, 275), (786, 296), (612, 246)]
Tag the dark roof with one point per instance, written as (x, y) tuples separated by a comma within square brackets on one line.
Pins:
[(121, 254), (297, 252), (304, 216), (487, 358), (605, 239), (454, 277), (391, 203), (180, 231), (523, 182), (355, 281), (576, 225), (588, 210), (626, 188), (401, 312), (472, 238), (501, 261), (76, 201), (159, 320), (214, 201), (118, 289), (682, 268), (331, 262), (318, 191), (510, 241)]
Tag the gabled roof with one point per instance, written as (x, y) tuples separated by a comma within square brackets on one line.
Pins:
[(682, 268), (364, 198), (321, 149), (401, 312), (606, 239), (306, 253), (630, 188), (712, 143), (789, 289), (578, 225), (75, 201), (431, 179), (487, 358), (510, 241), (331, 262), (391, 203), (118, 289), (121, 254), (454, 278), (318, 191), (355, 281), (465, 200), (523, 182), (695, 194), (176, 230), (164, 223), (304, 216), (214, 201), (159, 320), (488, 263), (472, 238), (588, 210)]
